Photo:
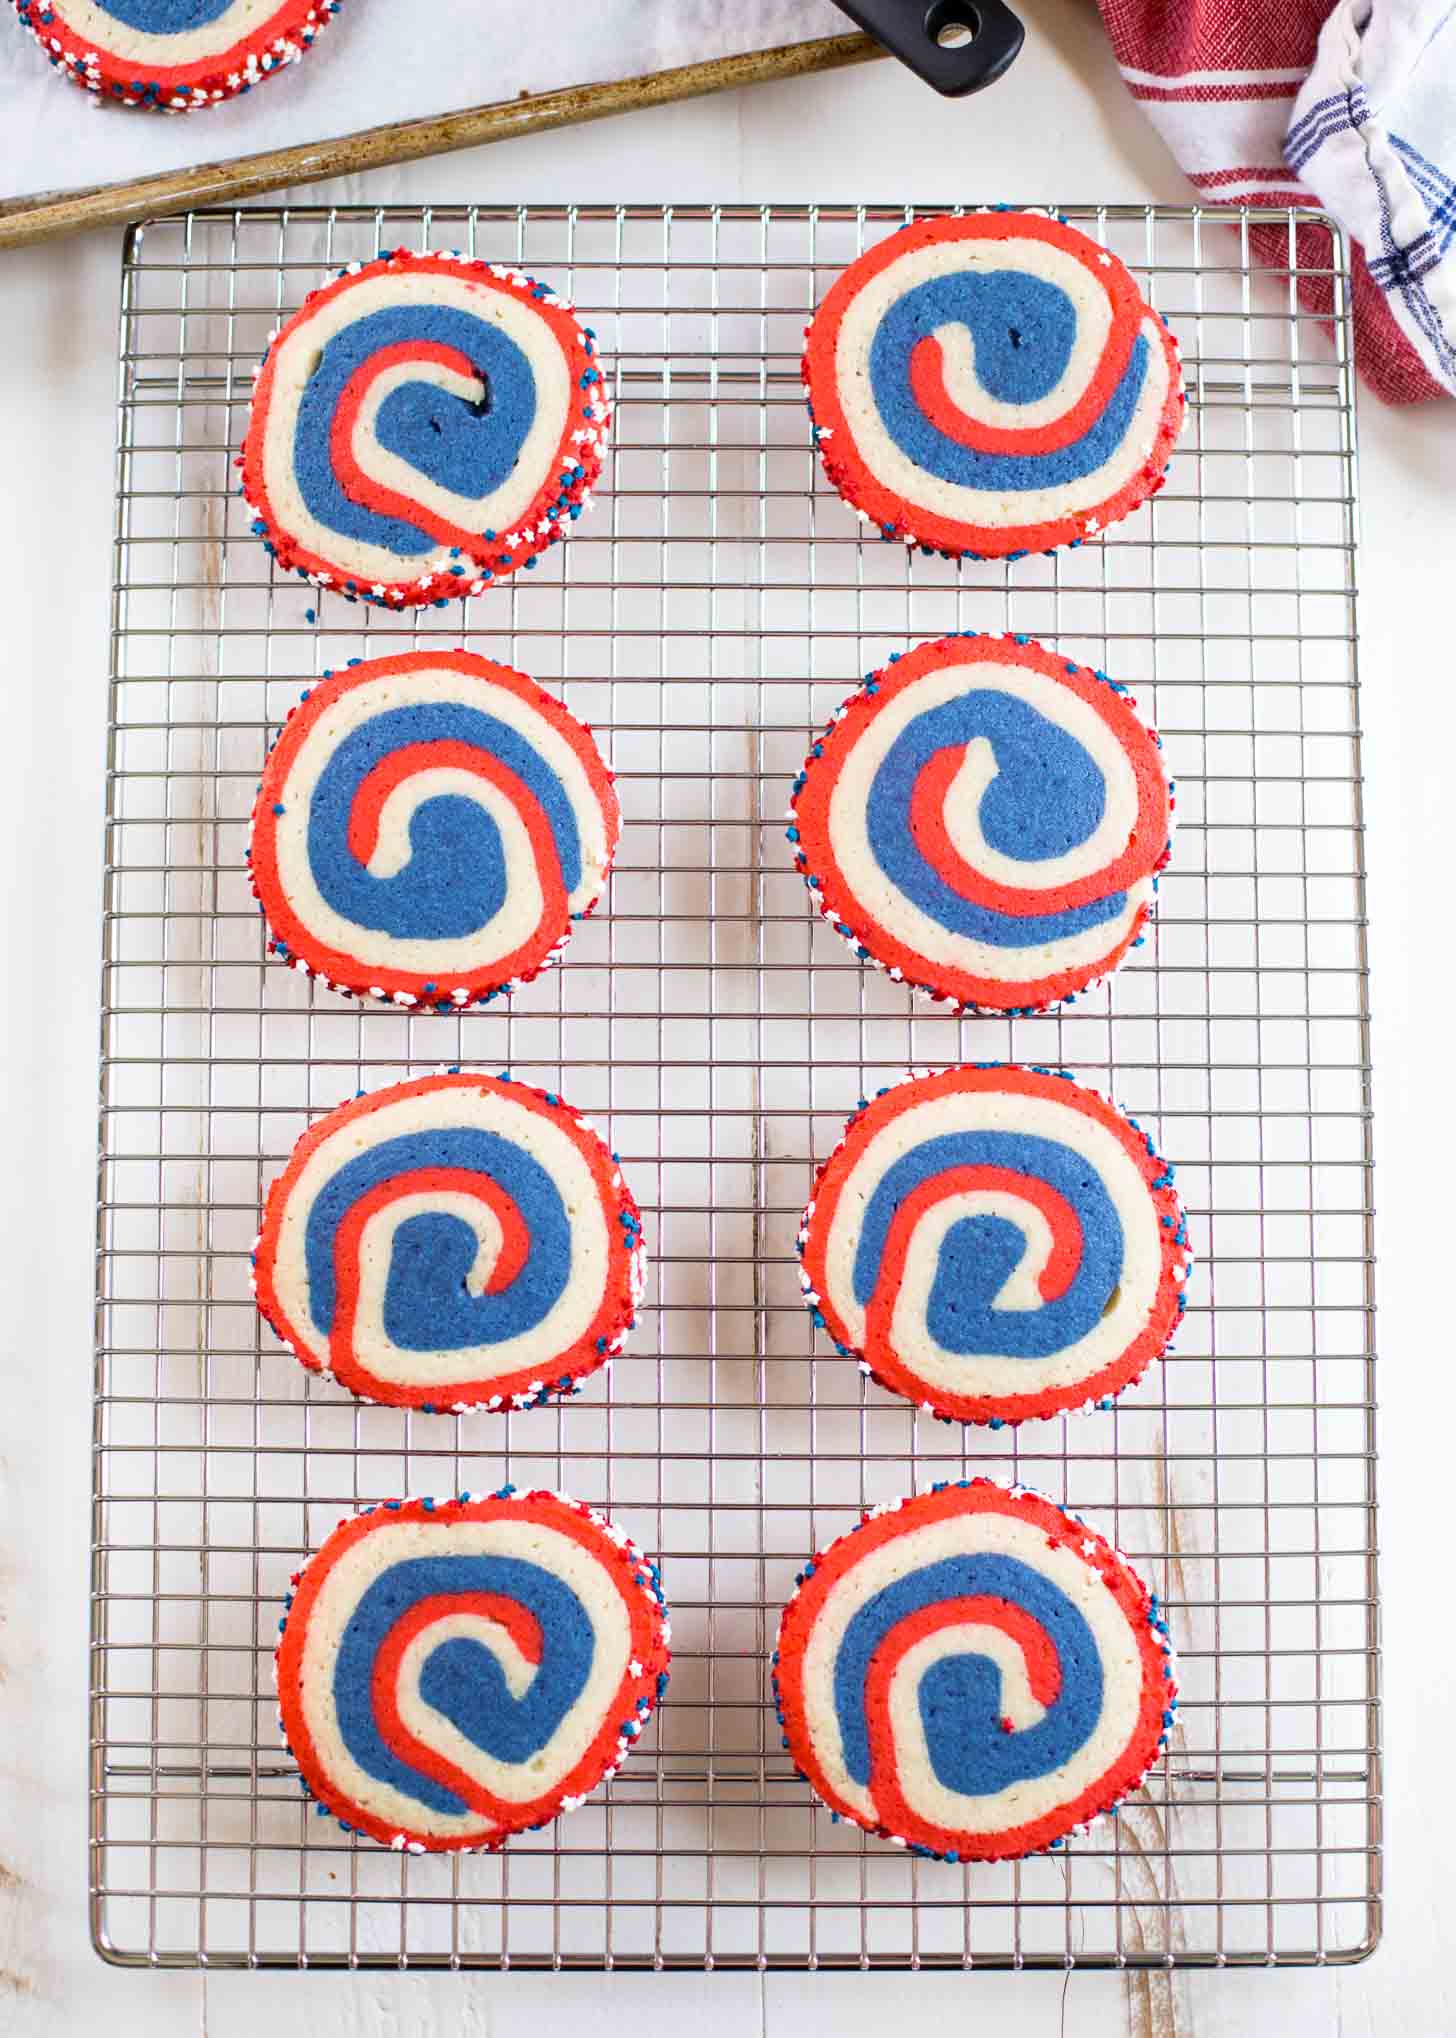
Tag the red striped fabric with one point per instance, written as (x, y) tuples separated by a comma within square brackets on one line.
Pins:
[(1218, 79)]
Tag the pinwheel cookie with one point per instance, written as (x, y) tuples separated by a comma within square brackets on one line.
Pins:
[(176, 56), (986, 821), (428, 829), (451, 1672), (973, 1674), (996, 1243), (455, 1242), (422, 426), (991, 385)]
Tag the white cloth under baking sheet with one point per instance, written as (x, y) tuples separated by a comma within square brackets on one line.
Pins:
[(381, 60)]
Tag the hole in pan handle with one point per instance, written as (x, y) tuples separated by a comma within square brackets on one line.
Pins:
[(958, 46)]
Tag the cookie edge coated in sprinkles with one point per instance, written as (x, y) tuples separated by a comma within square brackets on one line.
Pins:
[(537, 1393), (185, 88), (450, 996), (842, 728), (1005, 1411), (895, 519), (1064, 1527), (652, 1676), (565, 492)]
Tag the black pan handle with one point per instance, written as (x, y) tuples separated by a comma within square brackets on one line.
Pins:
[(958, 46)]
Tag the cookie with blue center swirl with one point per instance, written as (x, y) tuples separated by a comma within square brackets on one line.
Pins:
[(996, 1243), (451, 1672), (459, 1241), (176, 56), (973, 1673), (428, 829), (991, 386), (986, 821), (422, 427)]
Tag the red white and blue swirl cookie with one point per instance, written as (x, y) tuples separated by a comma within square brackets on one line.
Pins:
[(422, 426), (428, 828), (174, 55), (993, 385), (459, 1241), (973, 1674), (996, 1243), (451, 1672), (986, 821)]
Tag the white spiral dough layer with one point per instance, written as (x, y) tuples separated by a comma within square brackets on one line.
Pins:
[(973, 1673), (458, 1241), (986, 821), (176, 56), (996, 1243), (451, 1672), (991, 385), (428, 828), (423, 426)]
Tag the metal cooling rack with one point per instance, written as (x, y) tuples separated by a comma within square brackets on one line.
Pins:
[(706, 620)]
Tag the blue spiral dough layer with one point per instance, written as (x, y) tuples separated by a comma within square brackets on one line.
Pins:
[(960, 1696), (993, 307), (461, 1678), (455, 881), (468, 448), (165, 17), (427, 1306), (978, 1254), (1048, 797)]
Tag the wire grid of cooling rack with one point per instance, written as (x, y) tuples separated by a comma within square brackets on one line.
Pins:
[(717, 606)]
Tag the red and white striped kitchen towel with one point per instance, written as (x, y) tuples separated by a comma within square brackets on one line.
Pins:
[(1351, 107)]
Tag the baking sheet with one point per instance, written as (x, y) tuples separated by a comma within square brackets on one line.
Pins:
[(380, 61)]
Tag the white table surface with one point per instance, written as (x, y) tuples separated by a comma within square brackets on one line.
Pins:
[(1059, 129)]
